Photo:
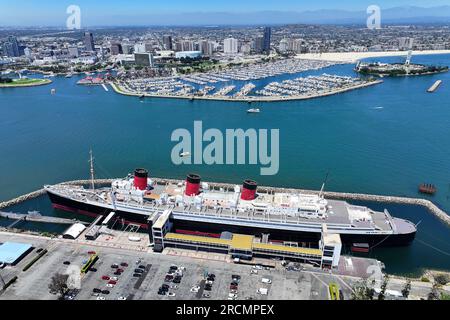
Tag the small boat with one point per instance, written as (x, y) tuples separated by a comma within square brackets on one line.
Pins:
[(142, 96), (69, 75), (185, 154), (53, 91), (253, 110), (427, 188)]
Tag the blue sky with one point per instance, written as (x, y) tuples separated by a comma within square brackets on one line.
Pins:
[(110, 12)]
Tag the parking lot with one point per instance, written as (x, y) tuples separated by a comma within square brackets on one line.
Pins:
[(33, 283)]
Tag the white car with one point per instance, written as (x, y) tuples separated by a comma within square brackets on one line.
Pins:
[(171, 294), (266, 281), (114, 278), (195, 289), (101, 298), (122, 298), (109, 285), (253, 271), (232, 295), (258, 267)]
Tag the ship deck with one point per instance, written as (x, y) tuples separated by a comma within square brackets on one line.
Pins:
[(216, 207)]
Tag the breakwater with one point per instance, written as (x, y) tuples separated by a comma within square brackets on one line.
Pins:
[(432, 208)]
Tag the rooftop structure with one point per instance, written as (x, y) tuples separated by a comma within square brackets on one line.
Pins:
[(13, 252)]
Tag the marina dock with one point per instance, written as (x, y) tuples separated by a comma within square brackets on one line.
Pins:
[(435, 86)]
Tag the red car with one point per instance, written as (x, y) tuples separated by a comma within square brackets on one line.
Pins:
[(105, 278), (124, 264), (92, 252), (233, 287), (112, 282), (120, 270)]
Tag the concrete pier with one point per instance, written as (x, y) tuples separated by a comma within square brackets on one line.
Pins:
[(434, 209)]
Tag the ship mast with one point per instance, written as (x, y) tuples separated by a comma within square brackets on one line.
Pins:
[(323, 185), (91, 160)]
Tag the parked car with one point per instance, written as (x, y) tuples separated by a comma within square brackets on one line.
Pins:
[(142, 266), (66, 262), (195, 289), (114, 278), (266, 281), (109, 285), (171, 294), (106, 278), (101, 298), (168, 277), (93, 269), (105, 291), (122, 298), (253, 271), (173, 267), (206, 295), (124, 264), (137, 275), (96, 290), (115, 266), (120, 270), (138, 271), (92, 252), (112, 282), (117, 273)]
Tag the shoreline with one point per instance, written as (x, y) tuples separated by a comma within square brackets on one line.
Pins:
[(120, 90), (353, 57)]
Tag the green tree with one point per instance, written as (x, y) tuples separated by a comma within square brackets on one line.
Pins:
[(406, 289), (382, 294), (361, 291), (58, 284)]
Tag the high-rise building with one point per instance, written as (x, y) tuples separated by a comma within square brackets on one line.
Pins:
[(167, 42), (259, 45), (230, 46), (206, 47), (89, 41), (11, 47), (266, 41)]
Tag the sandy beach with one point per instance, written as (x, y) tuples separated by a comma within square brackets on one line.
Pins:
[(353, 57)]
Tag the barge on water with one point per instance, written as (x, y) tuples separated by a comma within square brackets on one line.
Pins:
[(197, 208)]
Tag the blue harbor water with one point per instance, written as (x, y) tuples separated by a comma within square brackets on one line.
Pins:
[(385, 139)]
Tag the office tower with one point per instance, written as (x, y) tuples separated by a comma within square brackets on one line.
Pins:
[(89, 41), (266, 41)]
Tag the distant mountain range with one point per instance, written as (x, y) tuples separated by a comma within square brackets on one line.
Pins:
[(408, 14)]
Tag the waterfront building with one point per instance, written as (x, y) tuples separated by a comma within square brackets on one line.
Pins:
[(405, 43), (143, 59), (89, 41), (230, 46), (167, 42), (185, 45)]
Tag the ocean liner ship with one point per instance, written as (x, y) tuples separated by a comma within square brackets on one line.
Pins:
[(203, 208)]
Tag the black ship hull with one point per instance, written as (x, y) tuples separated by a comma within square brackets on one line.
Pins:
[(215, 229)]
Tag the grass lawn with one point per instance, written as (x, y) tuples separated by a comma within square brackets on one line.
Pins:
[(25, 82)]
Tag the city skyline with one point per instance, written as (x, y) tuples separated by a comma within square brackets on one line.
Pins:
[(47, 13)]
